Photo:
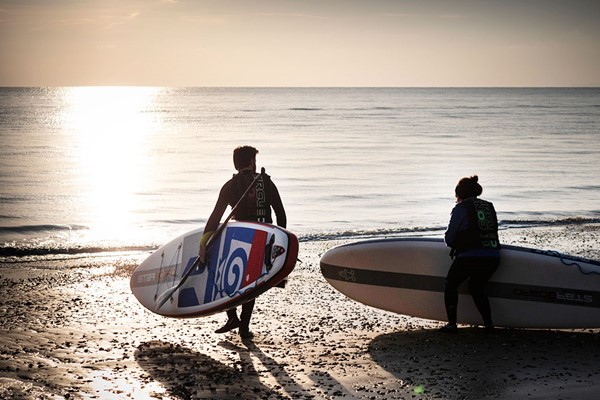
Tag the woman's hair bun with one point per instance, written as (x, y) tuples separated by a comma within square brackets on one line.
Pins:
[(468, 187)]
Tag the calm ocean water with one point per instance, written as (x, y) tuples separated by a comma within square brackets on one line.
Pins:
[(94, 169)]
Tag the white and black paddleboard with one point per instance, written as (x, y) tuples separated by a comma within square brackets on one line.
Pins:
[(531, 288)]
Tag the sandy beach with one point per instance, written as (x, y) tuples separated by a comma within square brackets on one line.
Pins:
[(72, 329)]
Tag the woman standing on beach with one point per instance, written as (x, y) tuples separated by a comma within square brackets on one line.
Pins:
[(473, 236)]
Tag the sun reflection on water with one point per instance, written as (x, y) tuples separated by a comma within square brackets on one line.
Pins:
[(109, 127)]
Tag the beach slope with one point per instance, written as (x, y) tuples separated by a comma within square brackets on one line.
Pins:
[(77, 332)]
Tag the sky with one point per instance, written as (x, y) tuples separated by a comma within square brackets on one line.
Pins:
[(300, 43)]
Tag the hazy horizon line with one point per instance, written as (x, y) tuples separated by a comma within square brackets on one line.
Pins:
[(593, 86)]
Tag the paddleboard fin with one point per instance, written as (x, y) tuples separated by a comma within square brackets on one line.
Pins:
[(268, 253)]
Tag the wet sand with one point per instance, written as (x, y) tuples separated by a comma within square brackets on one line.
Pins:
[(72, 329)]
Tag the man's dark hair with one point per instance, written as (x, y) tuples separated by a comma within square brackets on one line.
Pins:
[(243, 155)]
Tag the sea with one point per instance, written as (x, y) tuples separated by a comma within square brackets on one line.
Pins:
[(95, 170)]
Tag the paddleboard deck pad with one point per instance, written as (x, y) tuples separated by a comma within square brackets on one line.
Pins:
[(245, 260), (531, 288)]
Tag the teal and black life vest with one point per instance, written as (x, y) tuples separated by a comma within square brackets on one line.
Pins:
[(482, 230), (256, 206)]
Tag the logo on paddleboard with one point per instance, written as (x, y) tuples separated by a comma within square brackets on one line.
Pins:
[(347, 275), (276, 252), (154, 276), (236, 267)]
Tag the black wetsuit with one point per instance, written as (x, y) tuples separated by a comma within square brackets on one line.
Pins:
[(256, 206)]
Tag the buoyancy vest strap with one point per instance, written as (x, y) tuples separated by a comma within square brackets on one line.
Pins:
[(257, 205)]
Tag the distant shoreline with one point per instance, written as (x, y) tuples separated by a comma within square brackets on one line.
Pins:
[(578, 239), (593, 87)]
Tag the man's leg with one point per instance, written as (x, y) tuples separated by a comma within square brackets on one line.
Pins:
[(232, 322), (245, 317)]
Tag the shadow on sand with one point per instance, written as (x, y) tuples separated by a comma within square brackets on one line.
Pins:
[(322, 384), (187, 374), (508, 364)]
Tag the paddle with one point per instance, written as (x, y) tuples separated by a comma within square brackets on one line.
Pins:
[(166, 295)]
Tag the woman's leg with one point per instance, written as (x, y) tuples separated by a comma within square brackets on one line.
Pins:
[(482, 272), (457, 274)]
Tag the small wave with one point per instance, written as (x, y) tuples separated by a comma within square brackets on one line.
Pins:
[(383, 108), (355, 234), (29, 229), (305, 109), (439, 230), (5, 199), (16, 252), (180, 221), (518, 223)]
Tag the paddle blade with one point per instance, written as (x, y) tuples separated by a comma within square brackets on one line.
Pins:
[(164, 297), (167, 294)]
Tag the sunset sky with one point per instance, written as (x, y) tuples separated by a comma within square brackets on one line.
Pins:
[(300, 42)]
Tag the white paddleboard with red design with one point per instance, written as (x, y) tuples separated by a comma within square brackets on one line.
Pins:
[(244, 261)]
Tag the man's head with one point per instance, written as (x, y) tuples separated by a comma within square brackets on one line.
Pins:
[(244, 157)]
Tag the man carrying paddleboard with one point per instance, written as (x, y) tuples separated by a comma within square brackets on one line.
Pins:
[(473, 236), (254, 205)]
